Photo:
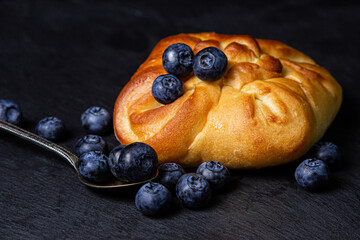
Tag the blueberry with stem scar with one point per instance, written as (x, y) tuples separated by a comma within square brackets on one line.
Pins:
[(193, 190), (210, 64), (312, 174), (167, 88), (153, 199), (178, 59)]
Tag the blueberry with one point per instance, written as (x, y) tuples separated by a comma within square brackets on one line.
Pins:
[(169, 174), (96, 120), (10, 111), (210, 64), (113, 161), (90, 143), (167, 88), (178, 59), (328, 152), (93, 166), (193, 190), (312, 174), (137, 162), (215, 173), (153, 199), (51, 128)]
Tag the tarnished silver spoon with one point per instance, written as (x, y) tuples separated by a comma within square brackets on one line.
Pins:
[(64, 153)]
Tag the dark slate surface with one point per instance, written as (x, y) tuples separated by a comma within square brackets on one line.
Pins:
[(60, 57)]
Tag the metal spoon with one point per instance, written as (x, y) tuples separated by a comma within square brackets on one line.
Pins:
[(66, 154)]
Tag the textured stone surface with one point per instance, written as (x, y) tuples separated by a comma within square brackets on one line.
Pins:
[(61, 57)]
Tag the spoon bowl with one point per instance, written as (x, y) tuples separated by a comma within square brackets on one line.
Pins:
[(67, 155)]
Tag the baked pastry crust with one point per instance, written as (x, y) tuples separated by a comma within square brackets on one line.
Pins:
[(271, 106)]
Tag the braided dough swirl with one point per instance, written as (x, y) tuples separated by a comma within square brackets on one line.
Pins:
[(271, 106)]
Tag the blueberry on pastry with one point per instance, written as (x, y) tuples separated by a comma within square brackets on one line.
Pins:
[(270, 105), (177, 59)]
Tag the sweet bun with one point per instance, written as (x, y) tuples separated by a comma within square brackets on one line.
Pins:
[(271, 106)]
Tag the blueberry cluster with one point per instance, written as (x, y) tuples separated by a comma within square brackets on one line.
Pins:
[(132, 163), (135, 162), (193, 190), (138, 161), (91, 149), (314, 174), (179, 61)]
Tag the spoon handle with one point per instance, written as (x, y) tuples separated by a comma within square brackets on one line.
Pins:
[(33, 138)]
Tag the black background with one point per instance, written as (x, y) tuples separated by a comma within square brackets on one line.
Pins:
[(61, 57)]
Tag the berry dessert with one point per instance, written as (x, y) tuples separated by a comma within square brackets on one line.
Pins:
[(178, 59), (96, 120), (167, 88), (312, 174), (137, 162), (169, 174), (260, 102), (215, 173), (10, 111), (153, 199), (93, 166), (90, 143), (51, 128), (193, 190), (328, 152)]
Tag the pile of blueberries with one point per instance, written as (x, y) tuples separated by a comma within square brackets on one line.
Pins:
[(138, 161), (194, 190), (135, 162)]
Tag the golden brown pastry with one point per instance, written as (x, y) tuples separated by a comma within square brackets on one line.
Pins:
[(271, 106)]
